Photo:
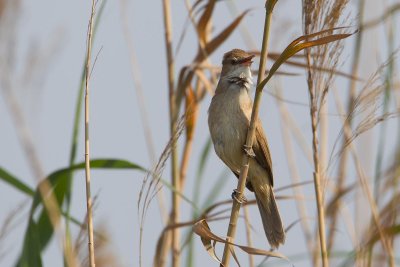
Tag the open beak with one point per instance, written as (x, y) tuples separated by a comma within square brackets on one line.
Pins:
[(247, 60)]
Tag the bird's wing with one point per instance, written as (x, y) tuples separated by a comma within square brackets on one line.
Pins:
[(261, 150)]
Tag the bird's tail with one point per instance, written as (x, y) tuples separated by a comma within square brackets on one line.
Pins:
[(271, 219)]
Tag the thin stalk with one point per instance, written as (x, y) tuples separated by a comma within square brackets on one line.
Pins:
[(269, 6), (248, 233), (87, 148), (75, 133), (294, 174), (172, 115), (316, 174), (342, 167)]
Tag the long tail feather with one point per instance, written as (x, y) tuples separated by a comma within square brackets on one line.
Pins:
[(269, 212)]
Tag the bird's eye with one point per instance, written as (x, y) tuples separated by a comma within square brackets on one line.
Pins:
[(234, 61)]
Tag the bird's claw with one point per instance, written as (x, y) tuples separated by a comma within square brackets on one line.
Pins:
[(240, 198), (249, 151)]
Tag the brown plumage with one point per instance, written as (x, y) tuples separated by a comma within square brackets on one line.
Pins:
[(228, 120)]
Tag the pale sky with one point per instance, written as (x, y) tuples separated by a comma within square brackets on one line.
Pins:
[(55, 31)]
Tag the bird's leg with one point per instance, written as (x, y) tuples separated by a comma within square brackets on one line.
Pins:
[(249, 151), (240, 198)]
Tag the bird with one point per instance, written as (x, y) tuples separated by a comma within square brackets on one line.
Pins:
[(229, 116)]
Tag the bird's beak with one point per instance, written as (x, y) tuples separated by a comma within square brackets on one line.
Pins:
[(247, 60)]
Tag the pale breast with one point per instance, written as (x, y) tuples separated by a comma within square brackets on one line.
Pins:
[(228, 125)]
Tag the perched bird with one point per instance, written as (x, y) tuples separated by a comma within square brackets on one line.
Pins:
[(229, 119)]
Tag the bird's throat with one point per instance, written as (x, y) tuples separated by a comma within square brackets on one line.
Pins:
[(241, 76)]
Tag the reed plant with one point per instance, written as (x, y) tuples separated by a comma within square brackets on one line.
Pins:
[(335, 186)]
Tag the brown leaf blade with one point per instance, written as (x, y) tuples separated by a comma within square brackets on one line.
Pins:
[(202, 229), (302, 43), (204, 21), (221, 37), (190, 110)]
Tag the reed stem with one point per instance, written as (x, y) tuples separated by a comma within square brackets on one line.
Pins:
[(87, 147), (316, 174), (269, 5), (174, 217)]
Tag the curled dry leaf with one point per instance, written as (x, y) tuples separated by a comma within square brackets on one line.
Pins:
[(274, 56), (204, 21), (212, 45), (202, 229), (301, 43), (318, 68)]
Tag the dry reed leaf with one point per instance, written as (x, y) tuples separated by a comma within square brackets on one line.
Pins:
[(274, 56), (319, 68), (204, 232), (212, 45), (204, 21), (202, 229), (190, 108), (233, 253), (301, 43)]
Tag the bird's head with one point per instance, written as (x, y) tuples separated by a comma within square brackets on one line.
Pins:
[(236, 63)]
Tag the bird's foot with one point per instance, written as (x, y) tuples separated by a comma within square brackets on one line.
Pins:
[(249, 151), (240, 198)]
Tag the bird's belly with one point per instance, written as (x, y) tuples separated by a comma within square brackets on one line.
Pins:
[(228, 143)]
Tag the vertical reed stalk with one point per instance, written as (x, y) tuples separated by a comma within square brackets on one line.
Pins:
[(294, 174), (269, 6), (87, 148), (172, 115), (248, 233), (316, 174)]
